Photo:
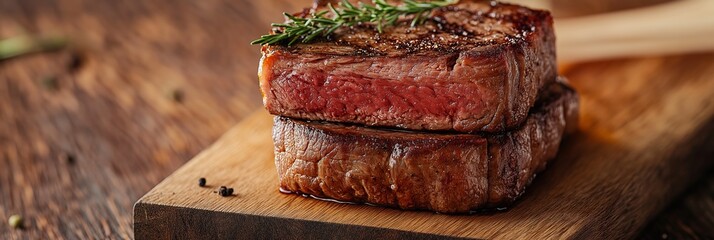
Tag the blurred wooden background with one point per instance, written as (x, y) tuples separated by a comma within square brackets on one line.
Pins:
[(146, 85)]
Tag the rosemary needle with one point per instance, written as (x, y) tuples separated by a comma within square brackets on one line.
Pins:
[(24, 44), (300, 29)]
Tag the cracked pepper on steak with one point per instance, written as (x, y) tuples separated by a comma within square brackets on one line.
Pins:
[(471, 67), (449, 173)]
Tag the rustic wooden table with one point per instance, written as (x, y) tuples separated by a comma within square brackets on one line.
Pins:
[(86, 130)]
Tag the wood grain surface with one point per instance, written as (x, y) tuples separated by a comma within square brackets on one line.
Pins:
[(626, 163), (146, 85)]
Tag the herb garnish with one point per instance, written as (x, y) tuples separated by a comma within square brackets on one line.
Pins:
[(300, 29)]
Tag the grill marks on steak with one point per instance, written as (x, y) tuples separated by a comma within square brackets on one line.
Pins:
[(416, 170), (474, 66)]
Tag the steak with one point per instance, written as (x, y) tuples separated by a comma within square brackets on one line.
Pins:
[(473, 66), (443, 172)]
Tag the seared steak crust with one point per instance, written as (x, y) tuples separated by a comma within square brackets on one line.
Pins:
[(450, 173), (473, 66)]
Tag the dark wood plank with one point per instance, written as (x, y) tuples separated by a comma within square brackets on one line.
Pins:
[(114, 113)]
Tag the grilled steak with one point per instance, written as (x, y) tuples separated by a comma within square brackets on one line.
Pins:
[(473, 66), (444, 172)]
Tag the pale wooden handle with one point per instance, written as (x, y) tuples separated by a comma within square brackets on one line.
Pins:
[(677, 27)]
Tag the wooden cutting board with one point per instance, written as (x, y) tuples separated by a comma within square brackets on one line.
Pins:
[(646, 132)]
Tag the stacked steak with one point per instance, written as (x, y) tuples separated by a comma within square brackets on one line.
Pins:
[(453, 115)]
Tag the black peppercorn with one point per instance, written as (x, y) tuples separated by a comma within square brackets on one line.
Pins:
[(76, 62), (177, 95), (69, 158), (223, 191), (202, 182)]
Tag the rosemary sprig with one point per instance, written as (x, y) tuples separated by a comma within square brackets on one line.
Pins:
[(299, 29)]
